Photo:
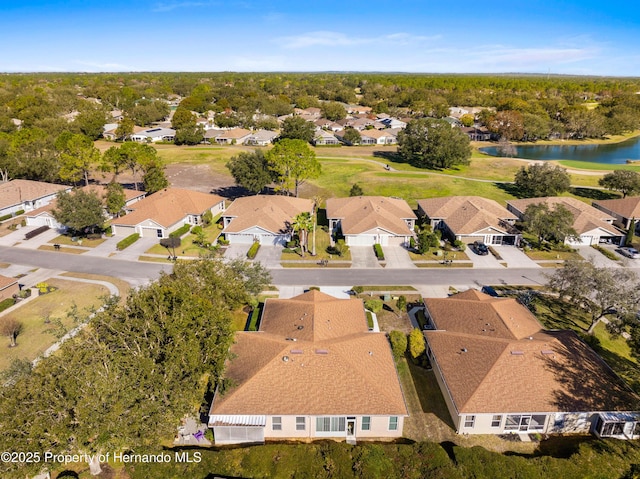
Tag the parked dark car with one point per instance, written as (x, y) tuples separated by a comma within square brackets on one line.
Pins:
[(480, 248)]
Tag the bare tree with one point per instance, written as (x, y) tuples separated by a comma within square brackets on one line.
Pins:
[(10, 327)]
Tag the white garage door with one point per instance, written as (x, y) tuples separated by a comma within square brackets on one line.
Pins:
[(360, 240), (240, 238), (396, 240)]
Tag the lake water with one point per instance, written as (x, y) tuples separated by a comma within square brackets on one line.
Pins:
[(616, 153)]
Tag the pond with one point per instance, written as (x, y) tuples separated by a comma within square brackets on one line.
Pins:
[(615, 153)]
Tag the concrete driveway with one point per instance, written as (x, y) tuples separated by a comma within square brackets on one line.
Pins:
[(397, 257), (237, 251), (17, 237), (515, 258), (269, 256), (600, 260), (363, 257), (137, 249), (479, 261)]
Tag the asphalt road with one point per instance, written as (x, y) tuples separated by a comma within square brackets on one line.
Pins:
[(140, 273), (133, 272)]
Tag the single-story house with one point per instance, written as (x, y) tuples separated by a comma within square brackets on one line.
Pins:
[(477, 133), (165, 211), (263, 218), (592, 225), (623, 210), (380, 137), (43, 216), (500, 372), (471, 218), (27, 195), (367, 220), (393, 123), (8, 287), (154, 135), (234, 136), (261, 138), (323, 137), (312, 371)]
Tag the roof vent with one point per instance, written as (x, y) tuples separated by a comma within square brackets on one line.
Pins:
[(517, 353), (290, 339), (322, 351), (370, 353), (285, 359), (296, 351), (547, 352), (463, 350), (301, 327)]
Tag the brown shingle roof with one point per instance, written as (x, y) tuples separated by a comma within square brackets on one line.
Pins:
[(585, 217), (5, 281), (341, 369), (468, 214), (16, 192), (626, 207), (359, 214), (544, 371), (168, 206), (271, 213)]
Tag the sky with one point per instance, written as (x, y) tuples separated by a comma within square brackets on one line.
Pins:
[(492, 36)]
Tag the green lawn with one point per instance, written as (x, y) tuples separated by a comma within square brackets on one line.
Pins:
[(84, 242), (588, 165), (188, 247), (322, 242), (432, 255), (34, 338)]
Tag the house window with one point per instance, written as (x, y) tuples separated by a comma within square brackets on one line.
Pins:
[(525, 422), (301, 423), (393, 423), (159, 233), (469, 421), (366, 423), (330, 424), (276, 423), (496, 420)]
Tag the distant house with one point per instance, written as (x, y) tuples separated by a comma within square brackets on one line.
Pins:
[(500, 372), (311, 371), (393, 123), (263, 218), (324, 138), (26, 195), (154, 135), (379, 137), (623, 210), (234, 136), (474, 133), (592, 225), (165, 211), (366, 220), (8, 287), (261, 138), (454, 122), (43, 216), (471, 218)]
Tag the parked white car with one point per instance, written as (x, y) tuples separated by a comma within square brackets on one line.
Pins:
[(629, 252)]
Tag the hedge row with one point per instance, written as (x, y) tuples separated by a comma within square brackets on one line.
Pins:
[(7, 303), (378, 250), (253, 251), (128, 241), (184, 229), (606, 252)]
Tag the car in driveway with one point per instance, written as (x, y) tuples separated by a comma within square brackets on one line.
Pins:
[(480, 248), (629, 252)]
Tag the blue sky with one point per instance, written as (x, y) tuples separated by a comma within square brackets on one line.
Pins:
[(558, 36)]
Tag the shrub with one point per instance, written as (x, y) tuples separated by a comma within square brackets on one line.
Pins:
[(314, 288), (401, 303), (180, 231), (398, 343), (460, 245), (7, 303), (378, 250), (412, 243), (605, 252), (292, 244), (416, 345), (196, 230), (494, 252), (339, 249), (207, 217), (374, 305), (128, 241), (222, 241), (253, 319), (108, 230), (358, 289), (35, 232), (19, 212), (369, 320), (253, 251), (5, 217)]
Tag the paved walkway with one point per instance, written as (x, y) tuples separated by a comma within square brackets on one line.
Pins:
[(363, 257), (397, 257)]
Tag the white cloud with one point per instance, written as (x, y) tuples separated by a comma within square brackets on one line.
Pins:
[(337, 39), (168, 7)]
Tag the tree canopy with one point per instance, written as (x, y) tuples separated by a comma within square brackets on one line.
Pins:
[(428, 143), (129, 377), (626, 182), (297, 128), (547, 224), (250, 170), (542, 179), (79, 210), (292, 162)]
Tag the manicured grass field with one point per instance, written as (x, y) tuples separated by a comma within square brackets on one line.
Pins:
[(34, 338), (588, 165), (46, 247), (188, 247), (84, 242), (322, 243)]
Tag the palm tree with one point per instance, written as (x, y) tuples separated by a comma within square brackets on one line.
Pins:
[(317, 199), (301, 225)]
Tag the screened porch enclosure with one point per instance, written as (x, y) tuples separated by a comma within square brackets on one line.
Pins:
[(525, 422)]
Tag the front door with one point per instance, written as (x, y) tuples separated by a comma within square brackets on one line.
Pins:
[(351, 427)]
